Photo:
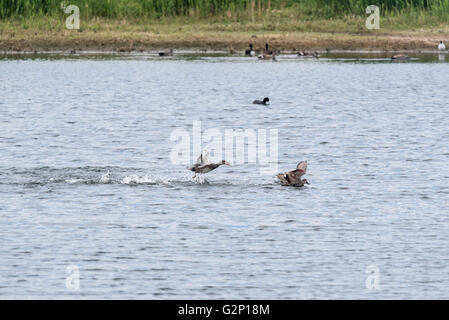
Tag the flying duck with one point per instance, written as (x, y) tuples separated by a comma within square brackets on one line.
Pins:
[(441, 46), (165, 53), (400, 57), (293, 178), (265, 101), (203, 165)]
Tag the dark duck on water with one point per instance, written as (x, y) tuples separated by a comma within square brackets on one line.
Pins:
[(265, 101)]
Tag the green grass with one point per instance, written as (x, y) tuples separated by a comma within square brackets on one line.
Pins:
[(236, 10), (26, 24)]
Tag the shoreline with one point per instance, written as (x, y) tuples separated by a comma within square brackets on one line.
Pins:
[(210, 52), (126, 38), (340, 44)]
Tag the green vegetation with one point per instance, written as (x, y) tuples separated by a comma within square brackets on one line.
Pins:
[(236, 10), (224, 24)]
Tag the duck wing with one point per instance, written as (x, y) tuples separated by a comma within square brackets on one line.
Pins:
[(282, 177), (294, 177), (203, 159), (301, 168)]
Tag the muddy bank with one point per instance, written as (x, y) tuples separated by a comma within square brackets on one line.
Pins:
[(228, 42)]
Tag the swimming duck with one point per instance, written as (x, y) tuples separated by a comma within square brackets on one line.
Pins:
[(250, 51), (293, 178), (441, 46), (165, 53), (265, 101), (203, 165), (400, 57)]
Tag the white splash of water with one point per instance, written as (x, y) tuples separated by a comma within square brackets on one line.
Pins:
[(134, 179), (72, 181), (200, 179), (106, 178)]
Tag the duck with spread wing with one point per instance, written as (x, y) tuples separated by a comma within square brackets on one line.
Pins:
[(203, 164), (293, 178)]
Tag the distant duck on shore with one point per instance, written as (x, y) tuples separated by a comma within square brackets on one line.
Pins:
[(267, 57), (250, 51), (268, 54), (400, 57), (267, 49), (306, 54), (165, 53), (441, 46)]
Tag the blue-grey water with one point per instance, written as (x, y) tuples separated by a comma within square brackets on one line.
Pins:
[(372, 224)]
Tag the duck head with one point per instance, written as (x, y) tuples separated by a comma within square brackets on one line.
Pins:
[(225, 162), (266, 100)]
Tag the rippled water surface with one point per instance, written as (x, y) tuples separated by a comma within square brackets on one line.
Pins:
[(374, 134)]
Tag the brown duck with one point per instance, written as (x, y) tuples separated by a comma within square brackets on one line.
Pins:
[(203, 165), (293, 178)]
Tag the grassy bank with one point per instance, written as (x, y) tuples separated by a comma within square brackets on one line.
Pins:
[(137, 25)]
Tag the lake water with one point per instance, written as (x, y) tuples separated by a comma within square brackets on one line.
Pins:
[(372, 224)]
